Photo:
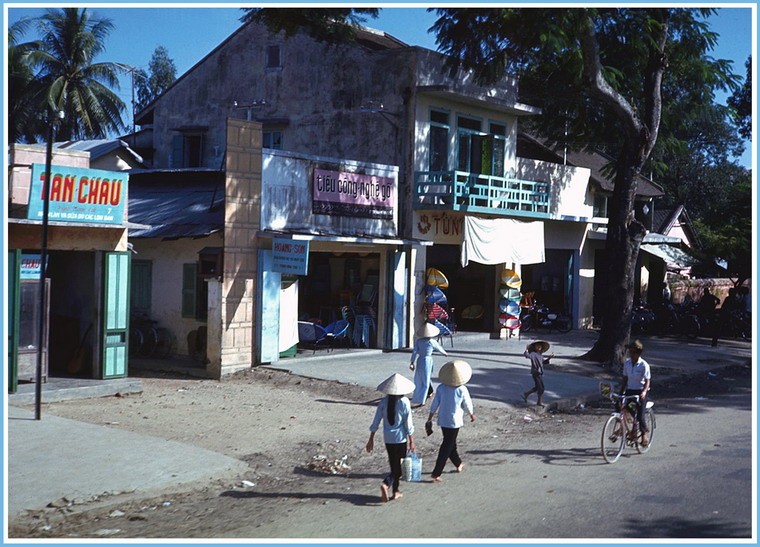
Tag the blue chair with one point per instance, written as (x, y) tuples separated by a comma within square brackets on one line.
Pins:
[(311, 334), (337, 331)]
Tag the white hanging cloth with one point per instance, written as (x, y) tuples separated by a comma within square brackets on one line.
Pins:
[(502, 240)]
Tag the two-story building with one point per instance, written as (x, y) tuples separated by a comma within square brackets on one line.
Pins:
[(378, 101)]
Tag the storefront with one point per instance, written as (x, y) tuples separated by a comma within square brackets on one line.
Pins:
[(86, 288), (346, 262)]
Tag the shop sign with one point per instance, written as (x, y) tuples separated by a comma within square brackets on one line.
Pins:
[(353, 194), (30, 266), (79, 195), (443, 227), (290, 257)]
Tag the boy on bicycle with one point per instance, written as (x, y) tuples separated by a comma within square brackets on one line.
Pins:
[(636, 380)]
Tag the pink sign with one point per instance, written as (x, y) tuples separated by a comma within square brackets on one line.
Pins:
[(353, 194)]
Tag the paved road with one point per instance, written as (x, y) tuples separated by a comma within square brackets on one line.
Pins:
[(694, 482)]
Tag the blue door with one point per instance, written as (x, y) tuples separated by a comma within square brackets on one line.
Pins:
[(115, 315)]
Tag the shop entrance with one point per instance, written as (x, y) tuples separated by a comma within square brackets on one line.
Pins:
[(551, 280), (472, 290), (85, 317)]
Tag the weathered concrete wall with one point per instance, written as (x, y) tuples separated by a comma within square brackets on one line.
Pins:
[(21, 159), (167, 258), (316, 97)]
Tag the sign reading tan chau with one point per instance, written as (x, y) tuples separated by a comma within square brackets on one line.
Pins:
[(353, 194)]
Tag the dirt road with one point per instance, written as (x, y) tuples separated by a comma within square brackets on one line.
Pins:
[(304, 443)]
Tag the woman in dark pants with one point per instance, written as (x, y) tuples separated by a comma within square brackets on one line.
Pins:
[(451, 400), (395, 411)]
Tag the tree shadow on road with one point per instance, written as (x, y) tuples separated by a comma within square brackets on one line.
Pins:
[(575, 457), (361, 500), (669, 527)]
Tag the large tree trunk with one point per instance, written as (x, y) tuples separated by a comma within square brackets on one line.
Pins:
[(624, 236)]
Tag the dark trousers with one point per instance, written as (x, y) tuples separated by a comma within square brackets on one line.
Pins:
[(641, 410), (396, 452), (447, 451), (538, 380)]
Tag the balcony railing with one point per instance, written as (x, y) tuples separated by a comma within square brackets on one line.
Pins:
[(461, 191)]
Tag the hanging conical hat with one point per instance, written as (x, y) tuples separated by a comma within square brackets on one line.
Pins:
[(434, 294), (396, 385), (455, 373), (509, 321), (436, 278), (428, 330), (510, 278)]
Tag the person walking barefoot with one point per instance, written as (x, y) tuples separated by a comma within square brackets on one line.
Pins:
[(395, 412), (422, 352), (535, 352), (451, 399)]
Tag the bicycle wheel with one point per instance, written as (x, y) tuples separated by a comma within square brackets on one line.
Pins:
[(613, 439), (650, 425), (164, 344), (150, 341), (135, 341), (563, 323), (526, 323)]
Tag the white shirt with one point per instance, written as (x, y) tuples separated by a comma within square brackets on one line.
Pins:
[(638, 373)]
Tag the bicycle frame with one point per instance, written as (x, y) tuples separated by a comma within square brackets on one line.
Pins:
[(620, 428)]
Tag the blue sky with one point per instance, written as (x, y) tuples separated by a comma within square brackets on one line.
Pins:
[(191, 33)]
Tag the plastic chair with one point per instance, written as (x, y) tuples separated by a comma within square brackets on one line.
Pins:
[(311, 334), (337, 331)]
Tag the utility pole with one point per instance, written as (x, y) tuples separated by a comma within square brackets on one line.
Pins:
[(53, 117)]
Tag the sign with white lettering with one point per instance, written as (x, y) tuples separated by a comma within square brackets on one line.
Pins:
[(31, 266), (353, 194), (79, 195), (290, 256)]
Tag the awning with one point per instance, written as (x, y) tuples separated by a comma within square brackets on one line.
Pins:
[(671, 255), (502, 240), (344, 239)]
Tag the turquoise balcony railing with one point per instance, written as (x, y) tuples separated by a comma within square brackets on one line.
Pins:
[(460, 191)]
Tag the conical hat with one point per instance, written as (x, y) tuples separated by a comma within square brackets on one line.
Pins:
[(396, 385), (455, 373), (543, 343), (510, 278), (428, 330), (436, 278)]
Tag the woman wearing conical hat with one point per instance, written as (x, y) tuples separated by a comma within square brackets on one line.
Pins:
[(396, 414), (422, 352), (452, 399)]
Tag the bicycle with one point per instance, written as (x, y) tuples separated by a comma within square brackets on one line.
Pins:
[(621, 428)]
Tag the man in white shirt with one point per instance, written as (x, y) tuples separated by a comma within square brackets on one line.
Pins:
[(636, 380)]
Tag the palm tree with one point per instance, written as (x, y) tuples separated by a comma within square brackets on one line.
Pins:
[(72, 83), (22, 85)]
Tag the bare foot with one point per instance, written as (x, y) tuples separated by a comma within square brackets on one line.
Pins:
[(437, 479), (460, 468), (397, 495), (384, 492)]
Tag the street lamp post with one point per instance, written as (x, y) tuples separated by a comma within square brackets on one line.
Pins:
[(52, 120)]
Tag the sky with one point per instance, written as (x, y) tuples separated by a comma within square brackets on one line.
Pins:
[(191, 33)]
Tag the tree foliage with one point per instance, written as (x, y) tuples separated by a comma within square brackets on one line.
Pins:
[(331, 25), (161, 74), (741, 102), (67, 79), (605, 78), (22, 85)]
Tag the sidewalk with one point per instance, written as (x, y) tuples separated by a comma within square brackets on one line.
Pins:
[(55, 457)]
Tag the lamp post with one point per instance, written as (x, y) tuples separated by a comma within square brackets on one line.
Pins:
[(53, 118)]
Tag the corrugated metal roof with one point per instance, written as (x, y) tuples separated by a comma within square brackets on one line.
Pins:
[(172, 206), (98, 147)]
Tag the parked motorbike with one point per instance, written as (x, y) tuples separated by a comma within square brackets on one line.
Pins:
[(643, 319), (679, 319), (540, 316)]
